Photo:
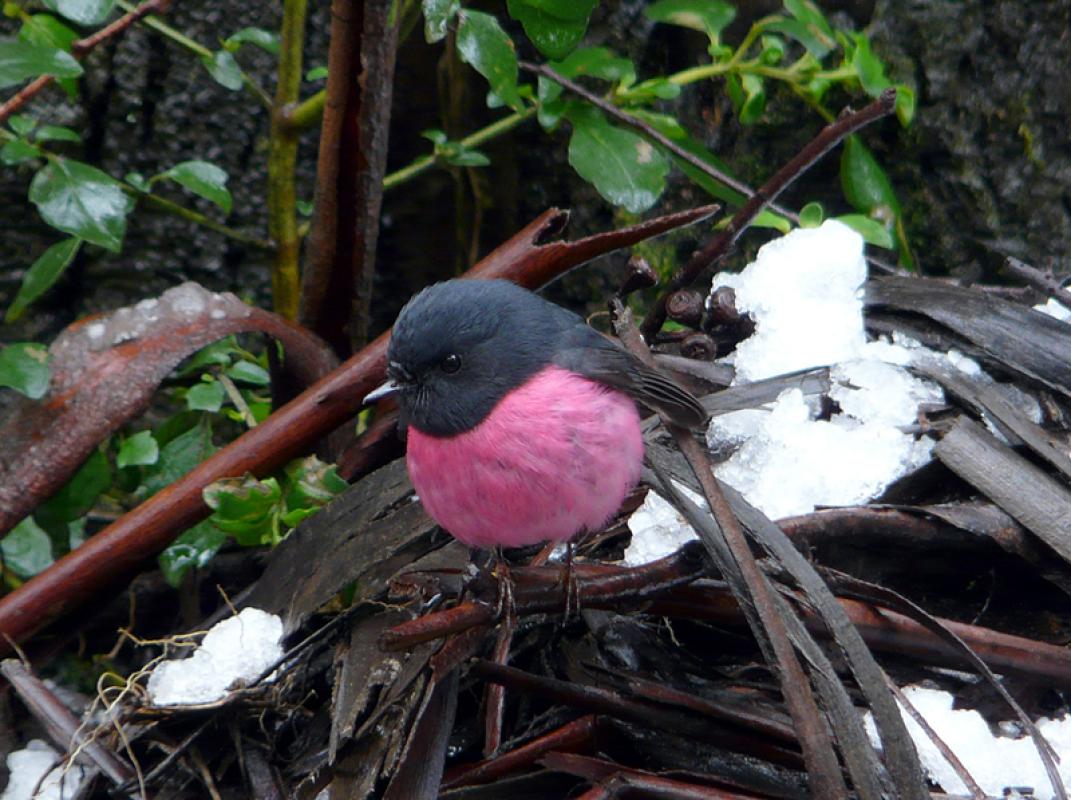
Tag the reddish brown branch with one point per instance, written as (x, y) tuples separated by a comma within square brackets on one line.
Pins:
[(79, 49), (826, 140), (538, 590)]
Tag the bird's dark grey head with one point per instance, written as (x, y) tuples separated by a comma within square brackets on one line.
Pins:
[(458, 347)]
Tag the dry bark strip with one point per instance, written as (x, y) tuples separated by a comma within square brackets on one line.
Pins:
[(1030, 495)]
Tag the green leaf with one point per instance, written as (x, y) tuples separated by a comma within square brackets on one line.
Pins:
[(248, 372), (266, 40), (316, 74), (597, 62), (42, 274), (312, 482), (245, 508), (46, 29), (865, 183), (22, 60), (625, 168), (21, 124), (437, 16), (18, 151), (468, 158), (56, 133), (671, 128), (748, 96), (546, 25), (706, 16), (138, 450), (84, 12), (205, 180), (483, 44), (83, 201), (26, 549), (811, 215), (868, 66), (814, 40), (224, 69), (24, 368), (810, 15), (872, 231), (76, 498), (137, 182), (179, 456), (194, 548), (218, 353), (206, 396), (773, 50), (905, 104)]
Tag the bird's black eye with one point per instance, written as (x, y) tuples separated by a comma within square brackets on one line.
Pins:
[(452, 363)]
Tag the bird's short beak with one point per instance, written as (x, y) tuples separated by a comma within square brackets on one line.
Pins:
[(386, 390)]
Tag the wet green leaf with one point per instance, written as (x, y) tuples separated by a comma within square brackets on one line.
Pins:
[(21, 124), (179, 456), (194, 548), (20, 61), (245, 508), (865, 183), (547, 26), (266, 40), (748, 96), (138, 450), (868, 66), (707, 16), (84, 12), (905, 104), (42, 274), (83, 201), (811, 215), (18, 151), (24, 368), (626, 169), (248, 372), (26, 549), (597, 62), (813, 39), (80, 493), (56, 133), (224, 69), (207, 396), (437, 16), (311, 483), (872, 231), (204, 179), (316, 74), (46, 29), (483, 44)]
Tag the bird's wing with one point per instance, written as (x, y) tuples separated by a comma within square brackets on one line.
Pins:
[(585, 351)]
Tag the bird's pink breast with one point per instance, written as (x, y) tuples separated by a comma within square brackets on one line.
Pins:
[(556, 455)]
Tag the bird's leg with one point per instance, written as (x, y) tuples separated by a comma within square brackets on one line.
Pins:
[(505, 584), (572, 588)]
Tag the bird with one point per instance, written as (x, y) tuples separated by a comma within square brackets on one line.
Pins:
[(521, 420)]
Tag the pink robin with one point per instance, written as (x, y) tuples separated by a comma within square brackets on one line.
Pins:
[(522, 420)]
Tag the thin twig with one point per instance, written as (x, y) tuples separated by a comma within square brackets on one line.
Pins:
[(1045, 281), (939, 743), (828, 138), (649, 132), (79, 49)]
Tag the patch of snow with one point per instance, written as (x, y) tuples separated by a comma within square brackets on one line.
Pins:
[(1055, 309), (995, 762), (804, 292), (235, 651), (41, 768)]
